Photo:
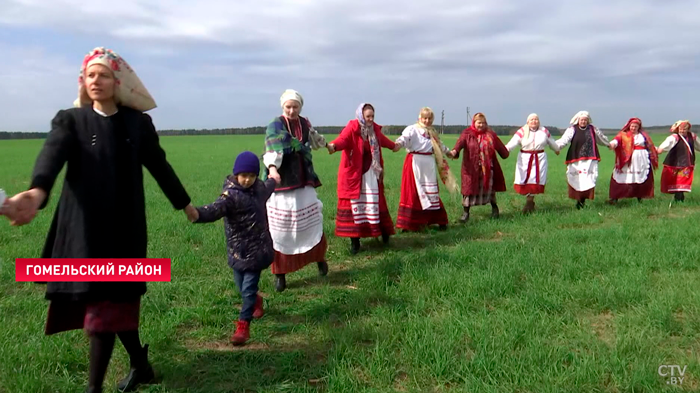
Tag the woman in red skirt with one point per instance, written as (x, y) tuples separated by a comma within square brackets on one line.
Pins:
[(362, 209), (636, 159), (482, 176), (420, 204), (101, 212), (677, 175)]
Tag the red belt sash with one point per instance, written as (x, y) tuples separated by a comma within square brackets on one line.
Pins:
[(533, 159)]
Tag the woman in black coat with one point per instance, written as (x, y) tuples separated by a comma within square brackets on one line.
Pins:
[(101, 212)]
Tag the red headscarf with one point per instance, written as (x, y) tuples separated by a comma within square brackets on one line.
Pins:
[(625, 145), (487, 152)]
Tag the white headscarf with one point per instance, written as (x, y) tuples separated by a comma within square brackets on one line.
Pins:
[(128, 89), (526, 127), (294, 95), (574, 120)]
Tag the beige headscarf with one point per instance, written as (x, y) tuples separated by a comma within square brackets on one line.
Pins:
[(128, 89), (574, 120), (677, 125)]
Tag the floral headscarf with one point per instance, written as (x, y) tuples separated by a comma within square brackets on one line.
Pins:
[(128, 89)]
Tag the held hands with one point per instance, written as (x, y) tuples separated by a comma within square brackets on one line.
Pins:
[(192, 213), (452, 154), (22, 208), (556, 152), (3, 205), (275, 175), (331, 148), (396, 148)]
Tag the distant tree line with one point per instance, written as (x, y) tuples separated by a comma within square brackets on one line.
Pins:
[(331, 130)]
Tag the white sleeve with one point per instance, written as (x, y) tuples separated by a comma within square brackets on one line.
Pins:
[(272, 158), (668, 143), (553, 144), (695, 142), (514, 141), (613, 143), (602, 139), (566, 138), (405, 139)]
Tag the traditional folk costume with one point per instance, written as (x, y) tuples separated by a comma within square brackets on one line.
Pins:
[(582, 158), (482, 176), (677, 175), (362, 209), (101, 213), (420, 204), (636, 159), (531, 168), (294, 211)]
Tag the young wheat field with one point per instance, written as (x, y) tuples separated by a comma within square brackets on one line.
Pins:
[(562, 300)]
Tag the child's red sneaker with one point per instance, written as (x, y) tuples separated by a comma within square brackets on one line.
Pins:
[(258, 311), (242, 333)]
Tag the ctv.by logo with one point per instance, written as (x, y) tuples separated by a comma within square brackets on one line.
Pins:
[(673, 372)]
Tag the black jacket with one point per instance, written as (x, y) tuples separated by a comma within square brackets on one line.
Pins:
[(248, 239), (101, 212)]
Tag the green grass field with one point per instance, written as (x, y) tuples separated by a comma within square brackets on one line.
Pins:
[(560, 301)]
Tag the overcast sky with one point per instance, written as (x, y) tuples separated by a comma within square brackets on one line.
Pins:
[(217, 64)]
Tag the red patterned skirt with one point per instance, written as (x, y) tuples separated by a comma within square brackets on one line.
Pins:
[(284, 263), (93, 317), (345, 225), (676, 179), (411, 215)]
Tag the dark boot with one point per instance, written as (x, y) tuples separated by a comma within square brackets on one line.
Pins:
[(385, 238), (322, 268), (679, 197), (280, 282), (581, 204), (141, 372), (354, 245), (93, 390), (494, 211), (612, 202), (442, 227), (529, 205), (639, 200), (465, 216)]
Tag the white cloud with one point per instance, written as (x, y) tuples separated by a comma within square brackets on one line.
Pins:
[(492, 53)]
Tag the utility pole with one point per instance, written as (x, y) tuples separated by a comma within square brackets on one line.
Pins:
[(442, 123), (469, 117)]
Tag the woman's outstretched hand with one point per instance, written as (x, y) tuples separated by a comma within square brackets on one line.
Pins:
[(22, 208)]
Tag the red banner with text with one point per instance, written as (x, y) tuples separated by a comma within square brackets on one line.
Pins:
[(59, 269)]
